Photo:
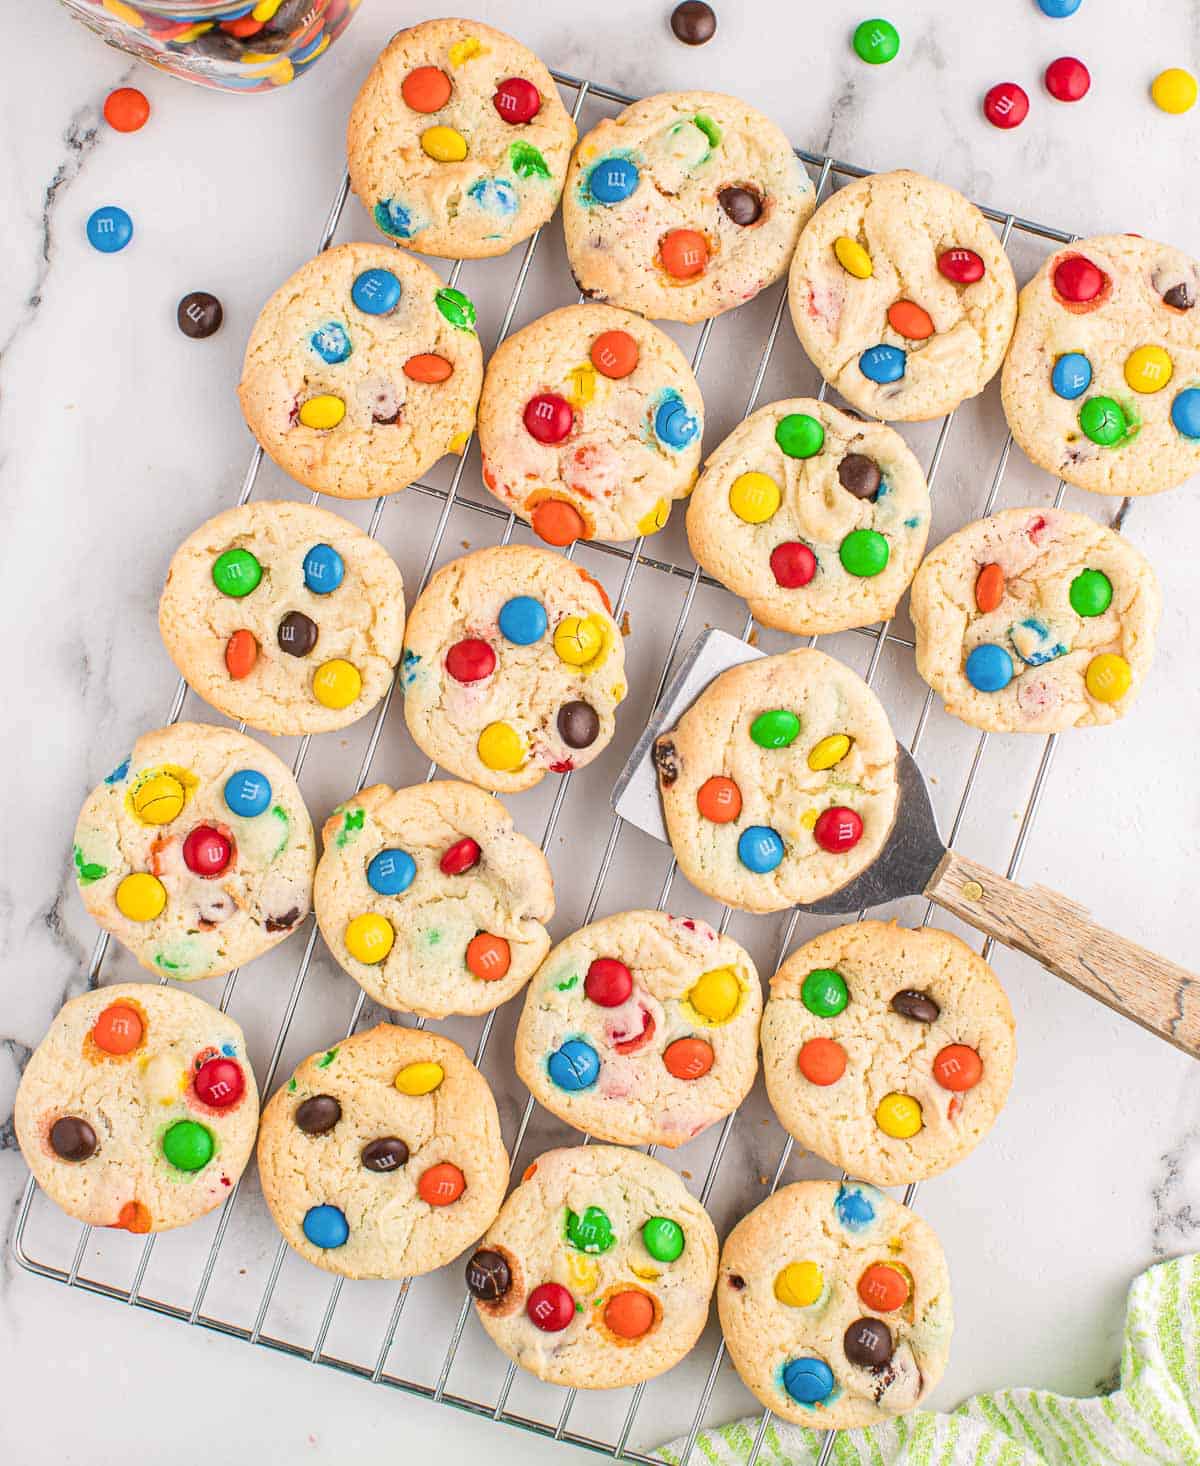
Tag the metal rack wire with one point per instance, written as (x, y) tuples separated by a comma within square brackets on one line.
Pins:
[(29, 1243)]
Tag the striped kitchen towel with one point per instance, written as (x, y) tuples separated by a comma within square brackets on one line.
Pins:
[(1152, 1417)]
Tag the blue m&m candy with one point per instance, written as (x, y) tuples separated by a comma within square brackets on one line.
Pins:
[(808, 1381), (989, 668), (247, 792), (882, 364), (324, 570), (522, 620), (326, 1226), (1072, 375), (1058, 9), (574, 1065), (613, 179), (331, 342), (375, 292), (674, 425), (759, 849), (1185, 412), (109, 229), (391, 872)]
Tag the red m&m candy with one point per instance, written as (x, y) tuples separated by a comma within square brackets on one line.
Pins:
[(462, 856), (548, 417), (517, 100), (206, 852), (963, 266), (1067, 79), (793, 564), (470, 660), (1006, 105), (1077, 280), (219, 1083), (608, 982), (838, 829), (550, 1307)]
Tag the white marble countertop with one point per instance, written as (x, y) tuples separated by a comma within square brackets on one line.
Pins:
[(118, 435)]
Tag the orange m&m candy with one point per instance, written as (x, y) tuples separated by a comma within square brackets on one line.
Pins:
[(822, 1061), (883, 1288), (629, 1315), (426, 89), (118, 1029), (428, 367), (614, 354), (558, 522), (442, 1184), (134, 1216), (957, 1067), (126, 109), (719, 799), (243, 26), (241, 653), (989, 587), (488, 957), (688, 1058), (684, 253), (909, 320)]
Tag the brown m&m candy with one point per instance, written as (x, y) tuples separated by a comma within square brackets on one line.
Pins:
[(72, 1139), (297, 634), (387, 1154), (920, 1007), (318, 1115), (742, 205), (694, 22), (489, 1276), (868, 1343), (859, 475), (578, 724), (199, 315)]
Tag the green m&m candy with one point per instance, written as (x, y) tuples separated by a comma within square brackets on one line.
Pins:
[(1103, 420), (824, 992), (864, 552), (799, 436), (188, 1146), (236, 573), (775, 729), (1091, 593), (591, 1232), (663, 1239), (456, 307), (876, 41)]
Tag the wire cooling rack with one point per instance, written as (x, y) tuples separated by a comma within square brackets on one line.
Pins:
[(231, 1273)]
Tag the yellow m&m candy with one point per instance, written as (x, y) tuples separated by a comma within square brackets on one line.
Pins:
[(1148, 369), (324, 411), (158, 799), (578, 640), (422, 1077), (583, 1271), (369, 937), (501, 747), (853, 258), (716, 995), (828, 752), (336, 684), (654, 519), (1174, 90), (799, 1284), (141, 897), (1108, 677), (898, 1115), (444, 145), (754, 497)]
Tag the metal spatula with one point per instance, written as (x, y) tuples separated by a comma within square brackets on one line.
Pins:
[(1054, 930)]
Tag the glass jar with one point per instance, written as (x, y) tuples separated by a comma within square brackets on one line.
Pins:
[(243, 47)]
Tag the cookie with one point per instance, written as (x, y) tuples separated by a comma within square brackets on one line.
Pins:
[(138, 1109), (642, 1029), (816, 518), (1101, 385), (684, 205), (513, 667), (361, 371), (886, 1051), (598, 1271), (431, 900), (1034, 621), (458, 141), (779, 784), (284, 616), (196, 852), (835, 1305), (382, 1156), (902, 296), (589, 425)]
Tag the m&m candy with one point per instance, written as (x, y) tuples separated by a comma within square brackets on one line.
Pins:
[(317, 1115), (429, 368), (199, 315), (578, 640), (517, 100), (759, 849), (297, 634), (989, 588), (716, 995), (882, 364), (1078, 280), (1148, 369), (206, 851), (754, 497), (236, 573), (864, 553), (1108, 677), (388, 1153), (558, 522), (501, 748), (471, 660), (614, 354), (336, 683), (719, 799), (1103, 420), (322, 412), (838, 829), (141, 897), (578, 724), (489, 1276), (73, 1139), (684, 253), (613, 179), (369, 938), (799, 435), (324, 570), (688, 1058), (158, 799), (808, 1381), (219, 1083), (876, 42), (777, 728), (118, 1030), (852, 257), (674, 425), (109, 229), (126, 109), (793, 564), (910, 320), (426, 89), (958, 1068), (376, 292), (188, 1145), (326, 1227), (1185, 412), (629, 1314), (247, 793), (663, 1239), (1006, 105), (331, 343), (608, 982), (591, 1232), (550, 1307), (1091, 593), (1071, 375), (488, 957), (461, 857), (868, 1343), (421, 1077), (1058, 9), (444, 144), (574, 1065), (1067, 79), (693, 22), (1174, 90), (829, 752), (522, 621), (989, 668), (898, 1115), (822, 1061), (441, 1185), (962, 266), (742, 205), (548, 417), (799, 1284), (391, 872)]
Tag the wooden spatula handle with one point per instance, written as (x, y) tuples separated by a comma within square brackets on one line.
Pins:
[(1061, 935)]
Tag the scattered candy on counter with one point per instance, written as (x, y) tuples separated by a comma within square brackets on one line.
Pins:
[(876, 42), (109, 229), (199, 315), (1174, 90), (126, 109), (1006, 105), (1067, 79), (694, 22)]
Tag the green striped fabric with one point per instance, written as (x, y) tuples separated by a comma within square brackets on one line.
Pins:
[(1152, 1417)]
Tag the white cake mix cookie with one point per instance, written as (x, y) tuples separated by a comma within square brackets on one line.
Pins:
[(458, 141), (138, 1109), (684, 205), (382, 1156), (902, 296), (196, 852), (431, 900), (642, 1028), (816, 518), (361, 371), (590, 424), (886, 1051), (779, 784), (835, 1305), (513, 667), (1034, 621), (598, 1271), (284, 616), (1101, 385)]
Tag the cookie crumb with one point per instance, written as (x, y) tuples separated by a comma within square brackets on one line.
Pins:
[(626, 624)]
